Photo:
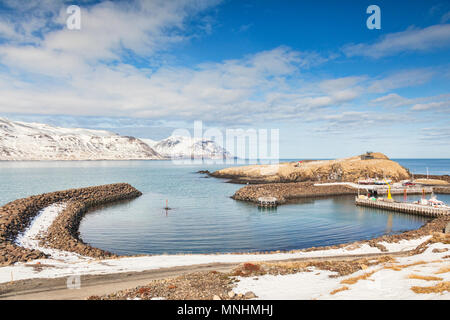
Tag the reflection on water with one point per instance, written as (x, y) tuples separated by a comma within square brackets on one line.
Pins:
[(267, 209), (203, 217), (391, 217), (302, 200), (389, 224)]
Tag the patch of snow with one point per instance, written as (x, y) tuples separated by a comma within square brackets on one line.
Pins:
[(384, 283), (404, 245), (150, 142), (30, 238), (297, 286)]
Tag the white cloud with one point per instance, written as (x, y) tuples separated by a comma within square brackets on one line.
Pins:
[(357, 122), (400, 79), (70, 73), (392, 100), (413, 39), (233, 90), (141, 27), (439, 106), (436, 135), (440, 103), (84, 72)]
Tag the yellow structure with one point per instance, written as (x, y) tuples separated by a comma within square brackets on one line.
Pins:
[(389, 190)]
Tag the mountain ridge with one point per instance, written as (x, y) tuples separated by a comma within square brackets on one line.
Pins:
[(22, 141), (182, 147)]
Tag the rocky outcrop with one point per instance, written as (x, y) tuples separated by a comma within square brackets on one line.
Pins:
[(346, 169), (442, 190), (16, 216), (290, 191)]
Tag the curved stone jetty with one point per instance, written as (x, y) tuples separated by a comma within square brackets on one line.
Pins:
[(63, 234)]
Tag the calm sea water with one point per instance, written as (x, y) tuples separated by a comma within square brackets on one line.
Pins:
[(434, 166), (203, 217)]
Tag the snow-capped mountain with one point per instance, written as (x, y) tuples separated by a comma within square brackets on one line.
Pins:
[(35, 141), (186, 147)]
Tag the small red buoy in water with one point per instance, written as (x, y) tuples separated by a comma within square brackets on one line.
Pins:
[(167, 205)]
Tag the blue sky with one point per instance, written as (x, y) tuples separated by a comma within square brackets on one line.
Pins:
[(311, 69)]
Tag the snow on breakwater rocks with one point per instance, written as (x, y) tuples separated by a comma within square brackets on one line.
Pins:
[(16, 216)]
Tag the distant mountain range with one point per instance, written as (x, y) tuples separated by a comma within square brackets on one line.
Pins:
[(179, 147), (36, 141)]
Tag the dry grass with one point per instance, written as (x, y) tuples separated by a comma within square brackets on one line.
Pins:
[(354, 280), (340, 268), (248, 269), (339, 290), (431, 181), (438, 288), (351, 169), (442, 270), (403, 266), (427, 278), (288, 264), (440, 238)]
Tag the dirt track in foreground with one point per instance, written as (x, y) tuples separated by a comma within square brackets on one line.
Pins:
[(56, 289)]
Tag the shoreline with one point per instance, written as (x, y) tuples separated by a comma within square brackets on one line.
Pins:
[(74, 257), (247, 180), (63, 232), (16, 216)]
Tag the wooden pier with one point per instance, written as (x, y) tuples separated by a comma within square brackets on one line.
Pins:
[(409, 191), (267, 201), (405, 207)]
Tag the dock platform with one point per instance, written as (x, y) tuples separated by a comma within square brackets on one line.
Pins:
[(405, 207), (267, 202)]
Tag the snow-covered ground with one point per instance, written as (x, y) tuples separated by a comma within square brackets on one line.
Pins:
[(63, 264), (38, 227), (384, 283)]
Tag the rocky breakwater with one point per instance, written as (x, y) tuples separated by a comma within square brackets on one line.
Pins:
[(63, 234), (346, 169), (291, 191)]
